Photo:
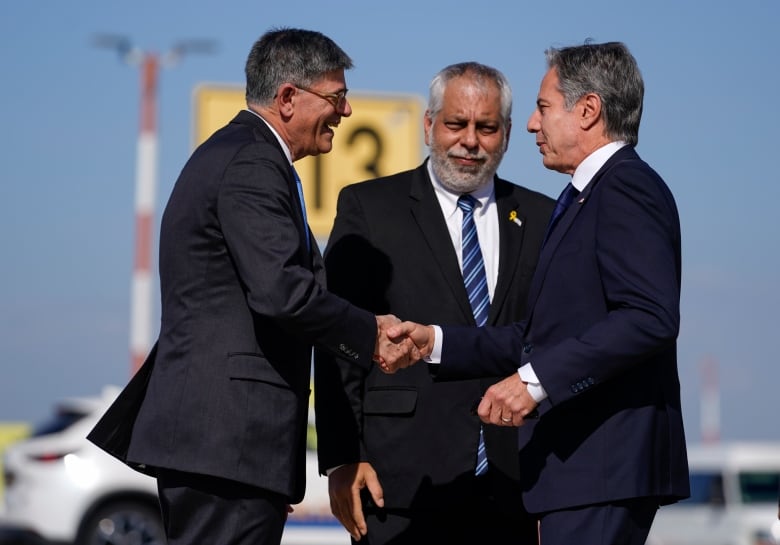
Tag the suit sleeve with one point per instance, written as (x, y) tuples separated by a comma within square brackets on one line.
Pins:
[(637, 246), (256, 210)]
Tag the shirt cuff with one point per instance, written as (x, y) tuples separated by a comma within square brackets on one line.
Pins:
[(435, 355), (535, 389)]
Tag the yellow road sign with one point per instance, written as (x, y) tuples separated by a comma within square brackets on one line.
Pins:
[(382, 136)]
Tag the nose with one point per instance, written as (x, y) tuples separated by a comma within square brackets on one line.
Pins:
[(347, 110), (469, 137), (534, 125)]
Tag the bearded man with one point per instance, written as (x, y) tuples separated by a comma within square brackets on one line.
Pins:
[(448, 242)]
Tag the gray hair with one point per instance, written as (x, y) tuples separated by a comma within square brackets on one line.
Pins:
[(290, 55), (610, 71), (481, 73)]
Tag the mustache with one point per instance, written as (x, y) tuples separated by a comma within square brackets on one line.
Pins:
[(470, 156)]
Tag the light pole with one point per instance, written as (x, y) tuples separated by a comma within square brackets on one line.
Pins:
[(146, 180)]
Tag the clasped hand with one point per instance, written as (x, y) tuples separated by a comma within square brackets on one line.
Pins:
[(400, 344)]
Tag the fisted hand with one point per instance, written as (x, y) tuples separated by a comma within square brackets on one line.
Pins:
[(507, 403)]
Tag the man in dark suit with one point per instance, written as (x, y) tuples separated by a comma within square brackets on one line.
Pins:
[(396, 247), (219, 414), (596, 350)]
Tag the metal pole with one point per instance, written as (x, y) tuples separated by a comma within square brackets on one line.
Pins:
[(145, 192)]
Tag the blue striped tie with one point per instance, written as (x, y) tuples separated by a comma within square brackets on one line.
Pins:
[(299, 185), (476, 286)]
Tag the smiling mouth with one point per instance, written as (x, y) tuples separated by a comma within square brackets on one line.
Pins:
[(467, 160)]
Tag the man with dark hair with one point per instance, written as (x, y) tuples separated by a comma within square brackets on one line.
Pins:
[(594, 385), (218, 413)]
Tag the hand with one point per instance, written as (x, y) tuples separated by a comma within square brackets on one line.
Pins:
[(393, 354), (344, 486), (421, 335), (507, 403)]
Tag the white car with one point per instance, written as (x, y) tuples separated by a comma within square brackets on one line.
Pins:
[(734, 498), (65, 489)]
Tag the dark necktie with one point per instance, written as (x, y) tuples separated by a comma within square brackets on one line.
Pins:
[(299, 186), (567, 197), (475, 281)]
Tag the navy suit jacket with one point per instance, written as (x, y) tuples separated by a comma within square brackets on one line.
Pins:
[(226, 391), (390, 252), (600, 333)]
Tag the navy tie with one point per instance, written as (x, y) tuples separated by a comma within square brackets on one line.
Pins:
[(476, 286), (299, 186), (567, 197)]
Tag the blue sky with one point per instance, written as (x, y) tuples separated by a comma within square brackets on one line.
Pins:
[(70, 114)]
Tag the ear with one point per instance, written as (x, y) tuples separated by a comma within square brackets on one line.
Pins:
[(591, 110), (285, 98), (427, 124), (508, 132)]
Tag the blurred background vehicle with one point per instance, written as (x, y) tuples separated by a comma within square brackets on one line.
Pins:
[(60, 488), (734, 498)]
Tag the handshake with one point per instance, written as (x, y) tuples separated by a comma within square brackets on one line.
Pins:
[(400, 344)]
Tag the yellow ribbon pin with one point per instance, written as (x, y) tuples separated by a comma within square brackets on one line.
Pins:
[(513, 217)]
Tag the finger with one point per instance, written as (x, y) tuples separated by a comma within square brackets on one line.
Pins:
[(483, 409), (358, 520), (376, 491), (399, 330)]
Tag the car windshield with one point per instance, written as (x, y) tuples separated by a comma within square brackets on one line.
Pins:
[(759, 487), (705, 488), (60, 420)]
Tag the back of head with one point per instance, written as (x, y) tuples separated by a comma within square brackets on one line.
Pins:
[(481, 74), (610, 71), (291, 55)]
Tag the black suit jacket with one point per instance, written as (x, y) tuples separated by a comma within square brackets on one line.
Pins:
[(243, 300), (601, 335), (390, 252)]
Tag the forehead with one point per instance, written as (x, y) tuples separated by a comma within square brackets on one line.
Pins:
[(549, 90), (333, 77), (464, 96)]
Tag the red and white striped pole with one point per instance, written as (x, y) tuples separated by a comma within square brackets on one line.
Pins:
[(145, 191)]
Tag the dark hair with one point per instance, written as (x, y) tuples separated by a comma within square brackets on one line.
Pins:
[(291, 55), (610, 71)]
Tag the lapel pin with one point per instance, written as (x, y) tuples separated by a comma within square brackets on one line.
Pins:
[(513, 217)]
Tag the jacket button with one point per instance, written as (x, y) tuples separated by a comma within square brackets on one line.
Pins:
[(528, 348)]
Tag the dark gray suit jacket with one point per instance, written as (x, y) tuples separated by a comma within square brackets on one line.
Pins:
[(390, 251), (243, 301)]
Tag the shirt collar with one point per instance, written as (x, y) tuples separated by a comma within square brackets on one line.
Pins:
[(285, 149), (592, 163)]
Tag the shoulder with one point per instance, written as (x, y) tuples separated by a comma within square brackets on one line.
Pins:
[(384, 186)]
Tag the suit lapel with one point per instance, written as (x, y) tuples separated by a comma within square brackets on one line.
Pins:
[(548, 250), (510, 234), (263, 133), (427, 213)]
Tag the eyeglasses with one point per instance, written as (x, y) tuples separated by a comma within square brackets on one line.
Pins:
[(337, 100)]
